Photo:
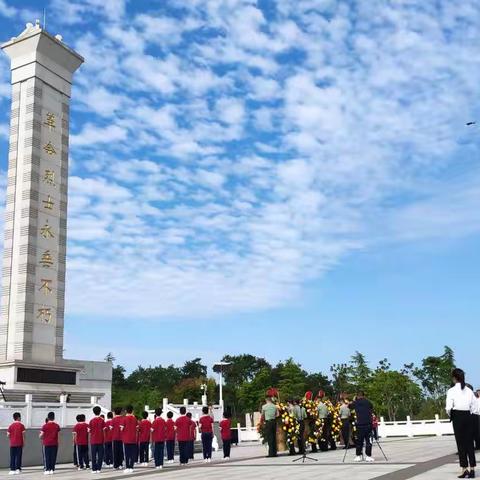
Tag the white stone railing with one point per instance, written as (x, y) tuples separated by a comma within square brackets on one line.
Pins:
[(407, 428), (34, 413), (415, 428)]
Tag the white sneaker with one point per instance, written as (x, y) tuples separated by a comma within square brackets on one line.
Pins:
[(18, 472), (52, 472), (227, 458), (46, 472), (11, 472), (158, 468), (358, 458), (369, 459)]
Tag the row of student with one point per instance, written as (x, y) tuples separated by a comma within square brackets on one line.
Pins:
[(122, 438)]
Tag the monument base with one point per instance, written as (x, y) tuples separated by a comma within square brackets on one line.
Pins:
[(46, 382)]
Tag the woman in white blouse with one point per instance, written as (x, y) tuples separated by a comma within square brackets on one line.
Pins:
[(460, 404)]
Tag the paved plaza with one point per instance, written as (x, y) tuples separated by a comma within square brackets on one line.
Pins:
[(420, 458)]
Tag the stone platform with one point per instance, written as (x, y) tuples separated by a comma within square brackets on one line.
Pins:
[(420, 458)]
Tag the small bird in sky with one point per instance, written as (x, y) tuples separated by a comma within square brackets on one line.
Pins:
[(469, 124)]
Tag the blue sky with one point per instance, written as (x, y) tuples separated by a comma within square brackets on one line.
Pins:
[(247, 171)]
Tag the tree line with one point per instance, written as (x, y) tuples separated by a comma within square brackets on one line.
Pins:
[(415, 390)]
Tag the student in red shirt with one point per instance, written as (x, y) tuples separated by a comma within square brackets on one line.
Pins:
[(226, 434), (80, 443), (206, 429), (96, 427), (159, 435), (193, 436), (108, 441), (183, 429), (170, 437), (16, 435), (144, 432), (49, 436), (117, 424), (129, 437)]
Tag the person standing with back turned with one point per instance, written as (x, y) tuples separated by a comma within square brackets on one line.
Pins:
[(97, 427), (269, 414), (459, 406), (363, 410)]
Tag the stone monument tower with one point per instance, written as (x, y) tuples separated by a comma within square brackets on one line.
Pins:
[(33, 282)]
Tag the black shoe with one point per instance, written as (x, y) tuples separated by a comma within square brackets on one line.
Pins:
[(471, 474), (465, 474)]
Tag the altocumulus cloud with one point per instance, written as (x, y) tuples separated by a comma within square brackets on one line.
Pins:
[(225, 154)]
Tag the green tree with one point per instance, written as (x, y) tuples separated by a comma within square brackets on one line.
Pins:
[(394, 394), (341, 378), (292, 379), (194, 369), (359, 371), (251, 394), (435, 376), (318, 381)]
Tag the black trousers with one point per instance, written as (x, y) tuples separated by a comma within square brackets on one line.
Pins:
[(226, 448), (108, 453), (158, 453), (80, 456), (118, 453), (476, 431), (170, 449), (207, 439), (301, 439), (16, 458), (346, 427), (327, 440), (97, 456), (50, 457), (271, 437), (463, 429), (130, 454), (143, 449), (191, 447), (184, 450), (364, 435)]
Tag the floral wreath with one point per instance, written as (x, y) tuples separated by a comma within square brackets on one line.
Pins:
[(316, 424)]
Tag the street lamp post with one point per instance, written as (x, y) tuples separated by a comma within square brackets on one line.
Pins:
[(219, 366)]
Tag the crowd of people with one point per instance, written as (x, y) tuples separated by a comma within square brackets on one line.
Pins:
[(319, 424), (121, 440)]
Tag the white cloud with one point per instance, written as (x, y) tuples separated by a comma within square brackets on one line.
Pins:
[(92, 135), (226, 154)]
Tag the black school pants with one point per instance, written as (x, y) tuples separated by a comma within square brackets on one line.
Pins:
[(97, 456), (226, 448), (80, 456), (158, 453), (463, 429), (170, 449), (207, 439), (108, 453), (16, 458), (184, 450), (130, 454), (117, 453), (143, 447), (50, 457)]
